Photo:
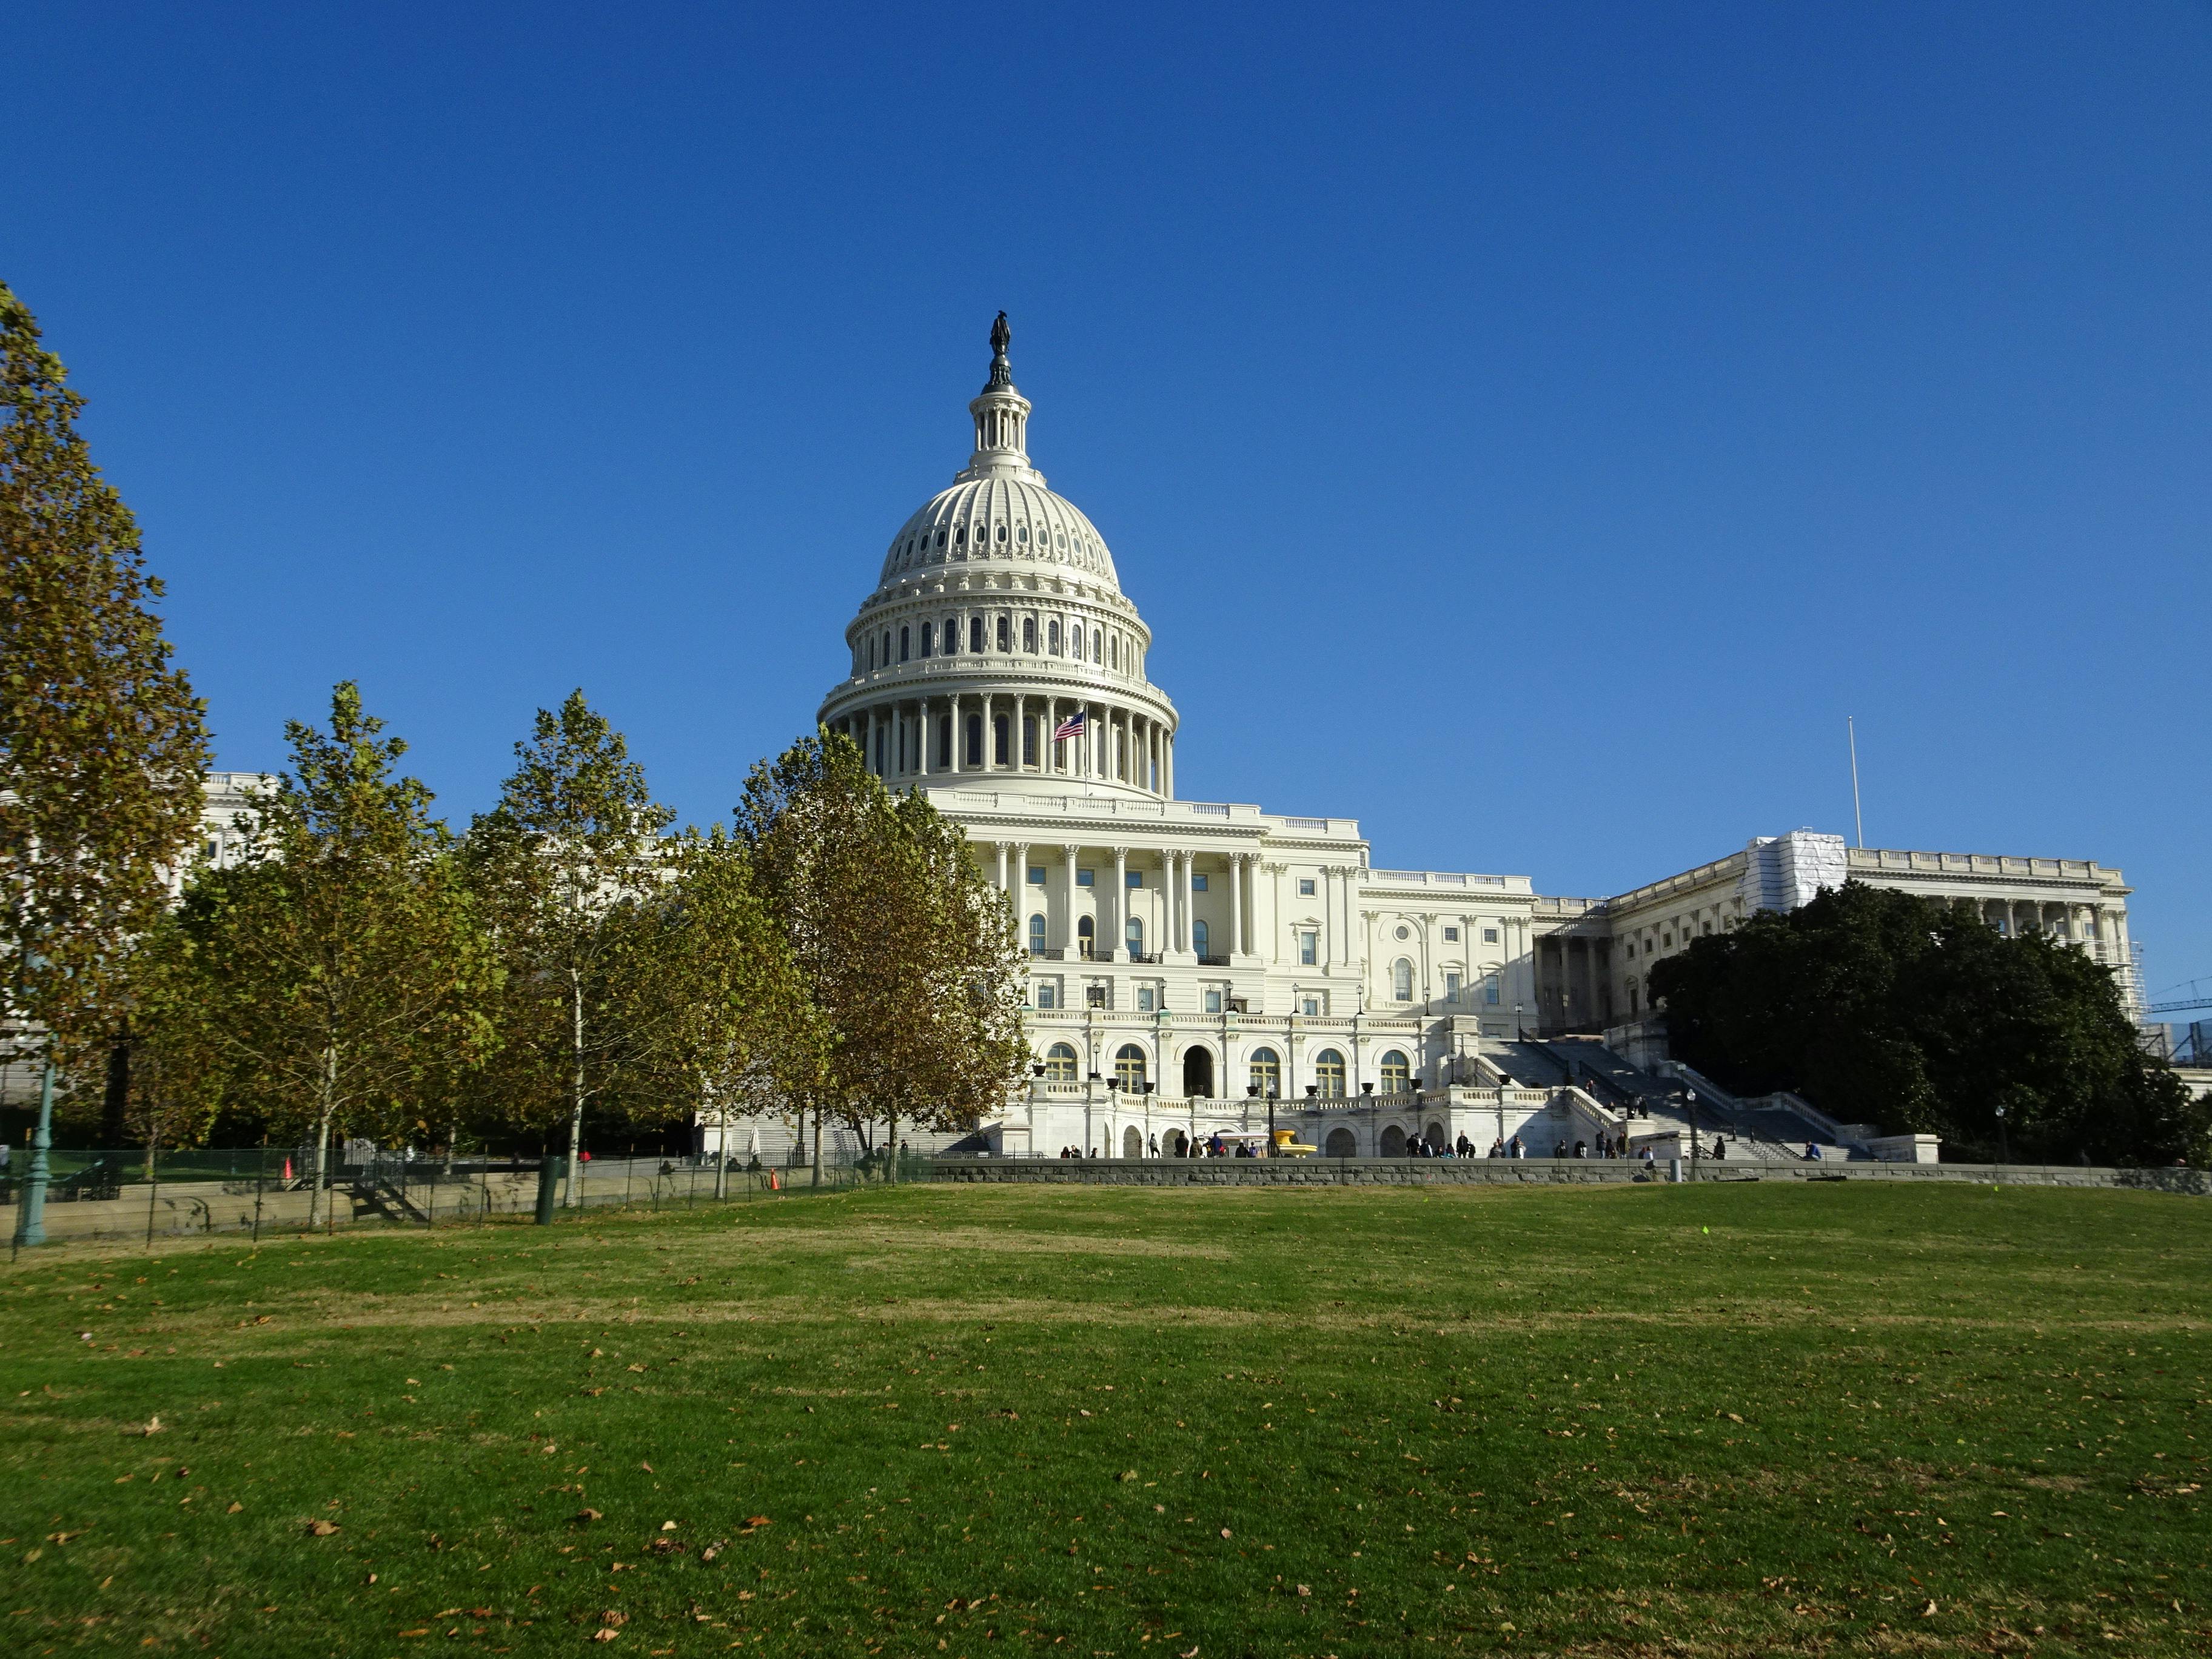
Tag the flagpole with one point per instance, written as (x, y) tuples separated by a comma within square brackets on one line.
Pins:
[(1850, 732)]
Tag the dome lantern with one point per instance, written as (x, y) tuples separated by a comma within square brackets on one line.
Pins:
[(1002, 420)]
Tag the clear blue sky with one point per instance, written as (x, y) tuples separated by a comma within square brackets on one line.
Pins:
[(1531, 429)]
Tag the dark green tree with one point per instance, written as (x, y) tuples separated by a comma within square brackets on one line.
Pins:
[(1882, 1007), (102, 746)]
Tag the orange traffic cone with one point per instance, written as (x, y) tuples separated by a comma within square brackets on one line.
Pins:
[(774, 1183), (288, 1169)]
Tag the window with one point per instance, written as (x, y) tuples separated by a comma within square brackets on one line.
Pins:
[(1451, 935), (1051, 636), (1037, 935), (1048, 995), (1328, 1073), (1144, 998), (1401, 980), (999, 738), (944, 743), (1002, 532), (1197, 884), (974, 740), (1266, 1073), (1310, 1006), (1022, 535), (1129, 1065), (1451, 988), (928, 637), (1632, 949), (1098, 648), (1489, 991), (1490, 936), (1309, 947), (1134, 878), (872, 653), (1028, 739), (1005, 632), (1029, 636), (904, 642), (1085, 879), (887, 648), (1086, 934), (1396, 1076), (1200, 939), (1707, 928), (1305, 886), (975, 635), (1114, 652), (1059, 1064), (1135, 931), (1037, 875), (1213, 1002)]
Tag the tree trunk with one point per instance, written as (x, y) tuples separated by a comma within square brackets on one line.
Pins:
[(891, 1147), (706, 1092), (817, 1143), (115, 1101), (319, 1194), (577, 1100)]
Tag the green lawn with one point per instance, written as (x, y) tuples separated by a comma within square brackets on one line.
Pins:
[(1739, 1419)]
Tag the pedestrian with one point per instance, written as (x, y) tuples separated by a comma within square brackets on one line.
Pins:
[(1518, 1150), (1151, 1146)]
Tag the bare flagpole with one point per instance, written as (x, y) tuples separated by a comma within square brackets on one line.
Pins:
[(1851, 732)]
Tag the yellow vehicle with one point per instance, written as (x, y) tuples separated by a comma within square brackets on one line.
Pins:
[(1287, 1144)]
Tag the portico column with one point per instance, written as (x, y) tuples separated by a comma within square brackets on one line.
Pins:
[(923, 724), (1002, 867), (1067, 926), (1022, 881), (1182, 886), (1120, 941), (1167, 766), (1236, 904)]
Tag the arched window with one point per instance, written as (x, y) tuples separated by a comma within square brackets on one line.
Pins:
[(974, 740), (1266, 1073), (1328, 1073), (1059, 1064), (1135, 931), (1023, 535), (905, 643), (872, 653), (1002, 532), (928, 637), (1051, 636), (975, 636), (1005, 624), (1098, 648), (951, 636), (960, 535), (1397, 1076), (887, 647), (1401, 980), (1029, 636), (1114, 652), (999, 729), (1085, 937), (1200, 939), (1036, 936), (1129, 1067)]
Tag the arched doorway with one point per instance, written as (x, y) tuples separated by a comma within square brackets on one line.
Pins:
[(1086, 937), (1129, 1067), (1133, 1142), (1341, 1143), (1394, 1142), (1436, 1136), (1175, 1144), (1198, 1072)]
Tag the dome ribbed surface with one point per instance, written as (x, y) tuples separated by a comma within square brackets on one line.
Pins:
[(990, 520)]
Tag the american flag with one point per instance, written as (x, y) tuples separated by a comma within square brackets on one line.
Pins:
[(1071, 727)]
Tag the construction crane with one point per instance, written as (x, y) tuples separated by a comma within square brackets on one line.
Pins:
[(2197, 994)]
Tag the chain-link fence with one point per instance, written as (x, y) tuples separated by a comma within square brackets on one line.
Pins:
[(132, 1195)]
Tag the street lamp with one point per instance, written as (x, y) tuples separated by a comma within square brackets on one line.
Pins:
[(2004, 1142), (1519, 1035)]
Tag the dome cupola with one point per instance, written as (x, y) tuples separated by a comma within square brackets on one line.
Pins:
[(998, 640)]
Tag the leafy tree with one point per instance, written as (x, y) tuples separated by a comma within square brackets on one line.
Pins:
[(1880, 1007), (335, 976), (102, 746), (724, 1026), (907, 952), (558, 863)]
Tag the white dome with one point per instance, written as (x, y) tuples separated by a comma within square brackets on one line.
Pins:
[(998, 516)]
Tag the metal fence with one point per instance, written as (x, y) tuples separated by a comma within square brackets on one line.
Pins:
[(120, 1196)]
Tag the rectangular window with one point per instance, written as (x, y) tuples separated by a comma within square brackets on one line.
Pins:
[(1135, 878), (1048, 996), (1198, 884), (1037, 875), (1144, 998), (1028, 740), (1213, 1002), (1451, 988), (1305, 887), (1451, 935), (1490, 936), (1086, 877), (1489, 991), (1309, 948), (1310, 1006)]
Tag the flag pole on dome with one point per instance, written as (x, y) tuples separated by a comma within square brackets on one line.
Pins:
[(1071, 727)]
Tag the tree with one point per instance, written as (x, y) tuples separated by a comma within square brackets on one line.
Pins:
[(558, 863), (1881, 1006), (724, 1022), (335, 976), (102, 745), (908, 954)]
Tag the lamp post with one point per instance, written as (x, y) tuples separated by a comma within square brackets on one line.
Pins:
[(31, 1219), (1519, 1035), (2004, 1143), (1690, 1107)]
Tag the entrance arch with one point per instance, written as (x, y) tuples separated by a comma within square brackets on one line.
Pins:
[(1198, 1072), (1133, 1142), (1175, 1144), (1394, 1142), (1341, 1143)]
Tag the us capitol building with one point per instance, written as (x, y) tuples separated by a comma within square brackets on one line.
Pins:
[(1189, 959)]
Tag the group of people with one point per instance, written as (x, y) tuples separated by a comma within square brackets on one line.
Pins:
[(1606, 1146)]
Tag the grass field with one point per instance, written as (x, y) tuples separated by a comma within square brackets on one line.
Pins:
[(1741, 1419)]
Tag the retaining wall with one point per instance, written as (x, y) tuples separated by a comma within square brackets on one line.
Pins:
[(1521, 1172)]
